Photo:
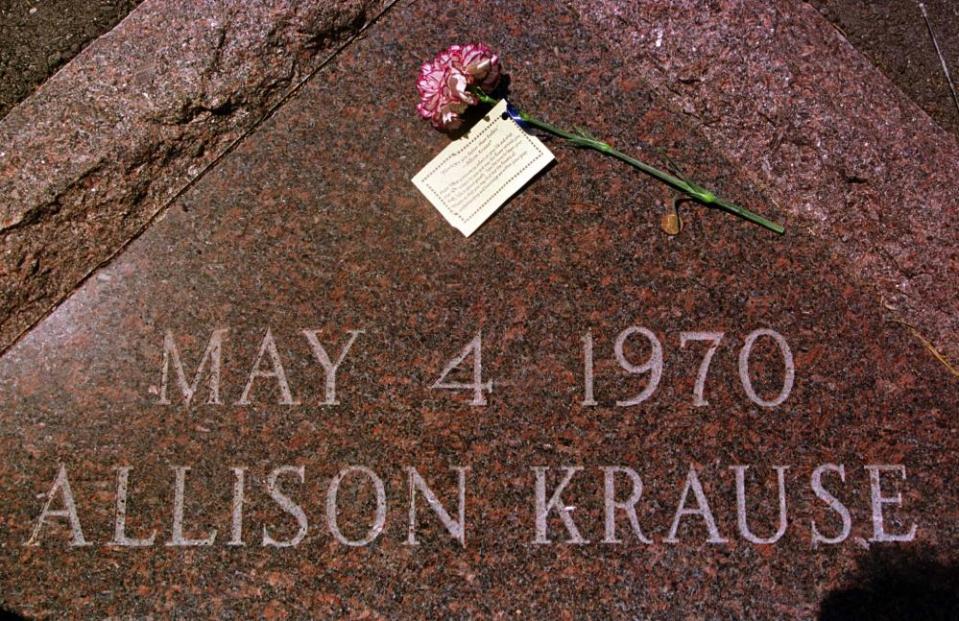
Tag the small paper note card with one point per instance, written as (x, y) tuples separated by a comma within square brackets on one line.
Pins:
[(475, 174)]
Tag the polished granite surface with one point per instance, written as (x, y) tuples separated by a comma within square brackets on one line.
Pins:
[(310, 231)]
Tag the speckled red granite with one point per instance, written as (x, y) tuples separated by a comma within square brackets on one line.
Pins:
[(313, 223), (829, 139)]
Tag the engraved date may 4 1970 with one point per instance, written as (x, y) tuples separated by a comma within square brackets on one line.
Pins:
[(268, 368)]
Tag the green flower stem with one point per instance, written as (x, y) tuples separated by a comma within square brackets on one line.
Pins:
[(690, 189)]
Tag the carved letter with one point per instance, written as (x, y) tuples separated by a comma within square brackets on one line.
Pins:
[(287, 505), (555, 502), (329, 368), (455, 528), (833, 503), (236, 521), (119, 531), (268, 346), (629, 506), (332, 509), (213, 353), (60, 485), (702, 509), (178, 501), (741, 505), (878, 500)]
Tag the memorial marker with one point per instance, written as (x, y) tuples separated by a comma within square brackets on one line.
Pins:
[(301, 394)]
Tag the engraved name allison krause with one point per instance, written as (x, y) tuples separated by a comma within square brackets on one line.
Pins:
[(553, 516)]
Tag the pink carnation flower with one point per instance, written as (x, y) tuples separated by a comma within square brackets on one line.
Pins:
[(462, 75), (444, 83)]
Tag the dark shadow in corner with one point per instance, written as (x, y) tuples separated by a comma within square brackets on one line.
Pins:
[(9, 615), (892, 585)]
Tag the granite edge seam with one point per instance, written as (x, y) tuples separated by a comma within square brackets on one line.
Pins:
[(85, 206)]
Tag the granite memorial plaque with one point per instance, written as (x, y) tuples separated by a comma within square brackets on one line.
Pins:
[(301, 394)]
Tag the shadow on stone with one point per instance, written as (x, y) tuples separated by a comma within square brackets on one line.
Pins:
[(9, 615), (474, 113), (893, 585)]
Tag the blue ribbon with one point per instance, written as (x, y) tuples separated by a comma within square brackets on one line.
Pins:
[(514, 114)]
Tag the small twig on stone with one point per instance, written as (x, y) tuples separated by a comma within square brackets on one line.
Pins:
[(942, 59), (931, 348)]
